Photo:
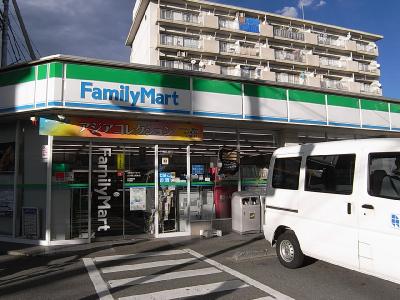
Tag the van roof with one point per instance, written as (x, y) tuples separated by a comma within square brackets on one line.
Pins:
[(344, 146)]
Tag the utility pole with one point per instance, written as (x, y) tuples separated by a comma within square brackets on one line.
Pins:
[(23, 29), (4, 35)]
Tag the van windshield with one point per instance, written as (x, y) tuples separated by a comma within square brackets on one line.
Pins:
[(384, 175)]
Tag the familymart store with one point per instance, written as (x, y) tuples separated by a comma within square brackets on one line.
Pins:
[(93, 150)]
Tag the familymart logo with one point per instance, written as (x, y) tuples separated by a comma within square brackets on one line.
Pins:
[(125, 94)]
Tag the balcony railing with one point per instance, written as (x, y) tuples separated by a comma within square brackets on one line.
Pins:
[(290, 78), (289, 34), (366, 47), (329, 62), (174, 64), (236, 49), (368, 89), (367, 68), (334, 84), (230, 24), (179, 41), (292, 56), (172, 15), (330, 41)]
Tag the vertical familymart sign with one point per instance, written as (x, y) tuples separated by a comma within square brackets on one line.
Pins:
[(119, 89)]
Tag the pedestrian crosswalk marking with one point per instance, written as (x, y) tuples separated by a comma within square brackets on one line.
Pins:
[(138, 255), (191, 291), (103, 288), (162, 277), (148, 265), (98, 282), (247, 279)]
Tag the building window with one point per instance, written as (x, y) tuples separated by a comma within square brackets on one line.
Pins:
[(384, 175), (330, 174), (286, 173)]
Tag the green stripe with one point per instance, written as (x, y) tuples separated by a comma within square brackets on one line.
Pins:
[(268, 92), (42, 72), (304, 96), (82, 72), (394, 108), (56, 70), (17, 76), (217, 86), (342, 101), (374, 105)]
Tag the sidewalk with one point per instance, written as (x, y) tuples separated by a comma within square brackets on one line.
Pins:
[(237, 246)]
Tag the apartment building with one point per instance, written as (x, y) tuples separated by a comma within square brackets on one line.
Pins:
[(222, 39)]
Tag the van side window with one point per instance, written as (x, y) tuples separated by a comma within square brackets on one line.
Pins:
[(286, 173), (384, 175), (330, 173)]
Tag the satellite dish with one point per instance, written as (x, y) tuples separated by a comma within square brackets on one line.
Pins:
[(193, 61)]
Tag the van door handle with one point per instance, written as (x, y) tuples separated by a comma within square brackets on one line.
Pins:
[(367, 206), (349, 208)]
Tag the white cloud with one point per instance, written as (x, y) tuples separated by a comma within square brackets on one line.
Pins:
[(321, 3), (305, 3), (288, 11)]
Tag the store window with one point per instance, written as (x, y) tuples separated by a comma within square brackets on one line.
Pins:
[(330, 173), (173, 206), (70, 194), (286, 173), (7, 163)]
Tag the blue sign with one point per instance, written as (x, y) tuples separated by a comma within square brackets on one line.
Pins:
[(395, 221)]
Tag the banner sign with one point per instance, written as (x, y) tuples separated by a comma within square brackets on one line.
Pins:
[(121, 129)]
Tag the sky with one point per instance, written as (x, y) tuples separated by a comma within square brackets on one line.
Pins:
[(98, 28)]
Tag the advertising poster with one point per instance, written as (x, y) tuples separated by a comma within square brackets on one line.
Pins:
[(7, 157), (230, 161), (137, 198)]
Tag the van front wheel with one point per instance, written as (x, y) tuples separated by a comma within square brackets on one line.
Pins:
[(288, 250)]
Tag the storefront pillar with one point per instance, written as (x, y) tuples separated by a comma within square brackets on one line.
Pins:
[(188, 182), (156, 215), (49, 156), (16, 174)]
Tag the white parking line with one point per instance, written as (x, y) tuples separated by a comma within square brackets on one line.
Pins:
[(162, 277), (138, 255), (277, 295), (99, 285), (190, 291), (154, 264)]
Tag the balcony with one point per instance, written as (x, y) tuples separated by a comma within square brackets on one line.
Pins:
[(369, 48), (286, 33), (291, 78), (334, 84), (232, 48), (179, 41), (179, 16), (332, 63), (371, 89), (295, 56), (372, 68), (331, 41)]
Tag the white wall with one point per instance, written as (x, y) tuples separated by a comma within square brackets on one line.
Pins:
[(144, 45)]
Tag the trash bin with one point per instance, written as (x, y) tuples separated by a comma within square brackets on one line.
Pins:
[(246, 212)]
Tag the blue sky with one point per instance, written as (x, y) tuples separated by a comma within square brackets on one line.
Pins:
[(380, 17), (98, 28)]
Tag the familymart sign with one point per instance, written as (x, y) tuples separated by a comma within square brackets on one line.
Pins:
[(104, 88)]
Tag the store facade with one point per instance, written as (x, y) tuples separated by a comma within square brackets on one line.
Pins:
[(94, 150)]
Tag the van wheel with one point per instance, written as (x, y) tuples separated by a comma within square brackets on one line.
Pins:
[(288, 250)]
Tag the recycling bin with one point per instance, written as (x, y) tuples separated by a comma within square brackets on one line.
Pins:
[(246, 212)]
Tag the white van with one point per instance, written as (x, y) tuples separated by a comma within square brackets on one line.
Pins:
[(338, 202)]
